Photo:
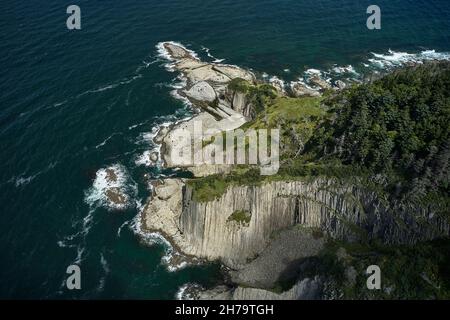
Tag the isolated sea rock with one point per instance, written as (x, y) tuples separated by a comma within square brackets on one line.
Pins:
[(113, 193), (116, 197)]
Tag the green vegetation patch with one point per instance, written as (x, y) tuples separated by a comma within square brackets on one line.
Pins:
[(242, 217), (397, 126), (208, 188), (239, 85), (421, 271)]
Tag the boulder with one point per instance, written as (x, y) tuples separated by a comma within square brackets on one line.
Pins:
[(316, 80), (340, 84), (154, 156), (201, 91)]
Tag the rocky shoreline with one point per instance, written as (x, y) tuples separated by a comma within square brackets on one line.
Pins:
[(282, 214)]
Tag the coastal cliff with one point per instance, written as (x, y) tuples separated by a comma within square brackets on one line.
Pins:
[(345, 212), (350, 173)]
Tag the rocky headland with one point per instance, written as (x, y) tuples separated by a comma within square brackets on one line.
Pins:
[(265, 232)]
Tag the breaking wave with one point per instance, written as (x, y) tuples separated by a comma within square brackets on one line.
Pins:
[(112, 189)]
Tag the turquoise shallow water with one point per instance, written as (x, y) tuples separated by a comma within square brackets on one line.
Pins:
[(74, 102)]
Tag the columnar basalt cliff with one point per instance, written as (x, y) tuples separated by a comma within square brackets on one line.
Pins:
[(346, 212)]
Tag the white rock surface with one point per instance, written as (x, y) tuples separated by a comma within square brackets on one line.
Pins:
[(201, 91)]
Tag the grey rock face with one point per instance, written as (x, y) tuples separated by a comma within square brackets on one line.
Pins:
[(306, 289), (281, 260), (345, 212), (340, 84), (202, 91)]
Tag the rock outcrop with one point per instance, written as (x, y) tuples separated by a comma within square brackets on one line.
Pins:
[(206, 86), (319, 82), (205, 81), (299, 89)]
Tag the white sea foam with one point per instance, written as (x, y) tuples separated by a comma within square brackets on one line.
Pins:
[(164, 54), (313, 72), (208, 53), (63, 244), (396, 59), (343, 70), (79, 257), (24, 179), (375, 64), (145, 64), (277, 82), (107, 139), (121, 227), (112, 85), (148, 139), (106, 270), (104, 263), (172, 260), (96, 196), (184, 293), (144, 159), (137, 125)]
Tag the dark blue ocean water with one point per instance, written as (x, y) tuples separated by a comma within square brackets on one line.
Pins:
[(74, 102)]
